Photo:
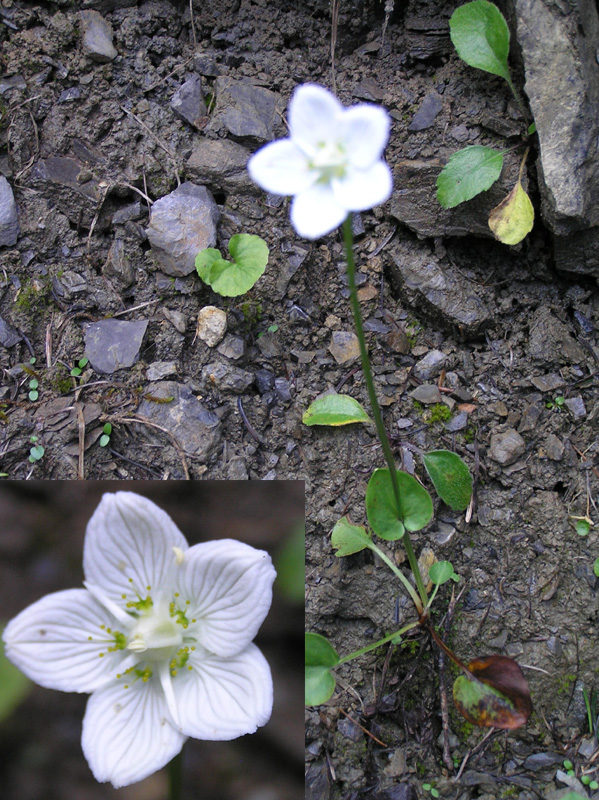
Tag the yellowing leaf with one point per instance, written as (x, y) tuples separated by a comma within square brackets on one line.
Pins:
[(513, 218)]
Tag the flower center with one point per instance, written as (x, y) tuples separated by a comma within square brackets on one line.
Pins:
[(330, 160), (157, 634)]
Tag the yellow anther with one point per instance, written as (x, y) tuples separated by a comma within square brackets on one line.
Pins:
[(193, 648), (124, 596), (103, 626), (187, 602), (149, 588), (193, 620), (101, 655), (126, 686), (118, 674), (130, 580), (176, 594), (189, 667), (89, 638)]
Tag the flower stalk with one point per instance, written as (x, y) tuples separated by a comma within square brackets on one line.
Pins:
[(375, 408)]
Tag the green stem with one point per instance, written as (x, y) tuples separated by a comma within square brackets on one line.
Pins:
[(174, 769), (374, 404), (370, 647)]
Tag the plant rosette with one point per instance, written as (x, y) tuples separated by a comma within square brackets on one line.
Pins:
[(161, 636), (331, 163)]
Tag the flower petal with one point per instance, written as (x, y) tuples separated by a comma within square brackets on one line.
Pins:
[(364, 188), (365, 131), (129, 537), (57, 642), (223, 698), (229, 588), (281, 168), (314, 115), (316, 212), (128, 733)]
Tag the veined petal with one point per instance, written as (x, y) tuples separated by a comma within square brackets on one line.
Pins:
[(58, 640), (281, 168), (128, 733), (223, 698), (314, 115), (316, 212), (129, 546), (229, 586), (363, 189), (364, 130)]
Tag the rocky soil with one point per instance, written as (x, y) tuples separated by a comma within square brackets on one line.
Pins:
[(125, 133)]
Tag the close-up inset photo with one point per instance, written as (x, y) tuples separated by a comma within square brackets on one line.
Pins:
[(151, 640)]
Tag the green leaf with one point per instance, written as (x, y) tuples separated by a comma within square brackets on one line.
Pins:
[(440, 572), (451, 478), (497, 696), (104, 439), (320, 655), (532, 128), (33, 395), (290, 563), (596, 567), (385, 519), (334, 409), (583, 527), (33, 383), (468, 172), (573, 796), (36, 452), (347, 538), (481, 37), (514, 217), (107, 428), (250, 256), (14, 686)]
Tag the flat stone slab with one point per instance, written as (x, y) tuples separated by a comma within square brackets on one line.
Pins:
[(197, 429), (9, 222), (246, 110), (112, 344)]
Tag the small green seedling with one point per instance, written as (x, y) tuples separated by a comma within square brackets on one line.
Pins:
[(271, 329), (427, 787), (230, 279), (481, 38), (33, 393), (37, 451), (81, 364), (33, 389), (556, 404), (105, 437)]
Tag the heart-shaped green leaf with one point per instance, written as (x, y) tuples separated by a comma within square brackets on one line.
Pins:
[(320, 656), (385, 519), (334, 409), (250, 256), (451, 478), (497, 697), (468, 172), (347, 538), (481, 37), (440, 572)]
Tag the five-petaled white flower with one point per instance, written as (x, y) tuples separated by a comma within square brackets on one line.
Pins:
[(161, 636), (331, 161)]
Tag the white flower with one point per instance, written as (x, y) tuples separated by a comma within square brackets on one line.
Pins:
[(331, 161), (161, 636)]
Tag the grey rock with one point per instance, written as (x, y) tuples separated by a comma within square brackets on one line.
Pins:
[(439, 291), (457, 423), (282, 389), (507, 447), (112, 344), (246, 110), (265, 380), (211, 325), (554, 447), (127, 213), (425, 116), (69, 95), (12, 82), (227, 378), (414, 200), (576, 407), (160, 370), (430, 365), (428, 394), (118, 264), (237, 469), (344, 346), (197, 429), (551, 341), (97, 37), (176, 318), (547, 383), (9, 335), (232, 347), (74, 195), (181, 224), (221, 163), (559, 46), (9, 221), (269, 344), (188, 102)]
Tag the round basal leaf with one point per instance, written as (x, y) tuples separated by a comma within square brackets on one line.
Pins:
[(320, 655), (334, 409), (583, 527), (451, 478), (467, 173), (385, 519), (514, 217), (320, 685), (481, 37), (440, 572), (497, 696), (205, 260), (250, 256), (104, 440), (347, 538)]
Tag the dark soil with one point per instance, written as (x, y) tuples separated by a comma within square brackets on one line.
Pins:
[(41, 551), (526, 361)]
